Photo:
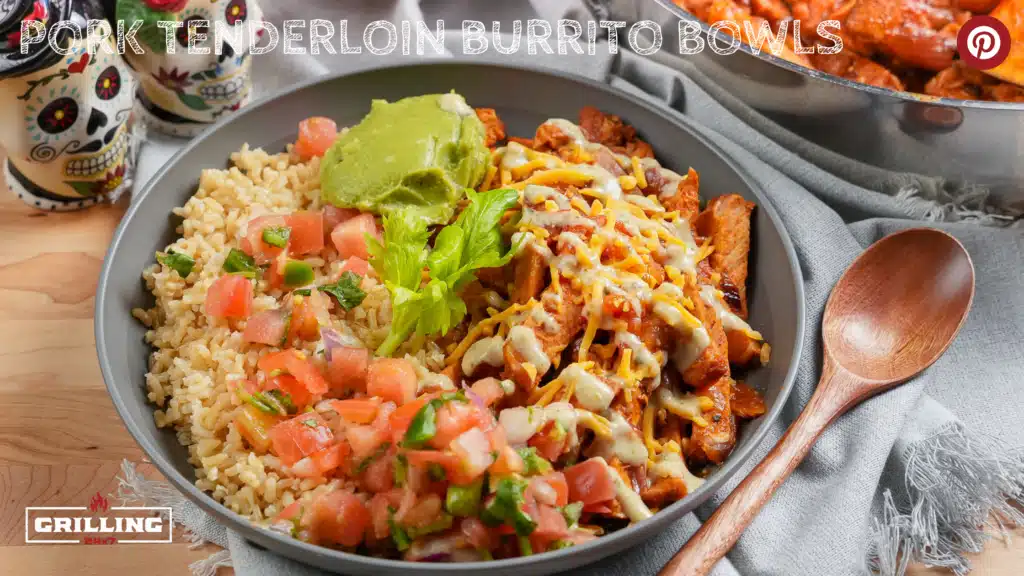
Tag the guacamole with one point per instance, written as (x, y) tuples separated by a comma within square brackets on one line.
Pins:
[(421, 151)]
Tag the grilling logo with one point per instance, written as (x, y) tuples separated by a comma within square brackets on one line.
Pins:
[(983, 42), (98, 523)]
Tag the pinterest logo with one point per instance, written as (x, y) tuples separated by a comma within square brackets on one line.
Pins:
[(983, 42)]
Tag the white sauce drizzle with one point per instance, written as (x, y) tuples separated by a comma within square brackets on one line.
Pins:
[(591, 392), (642, 355), (522, 422), (525, 342), (569, 129), (455, 103), (603, 181), (631, 502), (671, 465), (687, 352), (483, 351), (535, 194), (543, 218), (671, 179), (513, 156), (729, 320), (541, 316)]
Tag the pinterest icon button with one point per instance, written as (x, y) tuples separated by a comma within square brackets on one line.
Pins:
[(983, 42)]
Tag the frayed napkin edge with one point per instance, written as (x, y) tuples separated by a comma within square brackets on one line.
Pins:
[(963, 489), (134, 487)]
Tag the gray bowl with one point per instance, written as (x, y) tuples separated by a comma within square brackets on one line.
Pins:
[(524, 98)]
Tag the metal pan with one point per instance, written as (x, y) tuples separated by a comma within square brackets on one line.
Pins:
[(524, 98), (964, 142)]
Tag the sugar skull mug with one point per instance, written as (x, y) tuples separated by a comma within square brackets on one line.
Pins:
[(65, 119), (183, 92)]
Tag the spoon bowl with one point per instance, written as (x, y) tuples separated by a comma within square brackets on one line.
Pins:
[(899, 305), (892, 314)]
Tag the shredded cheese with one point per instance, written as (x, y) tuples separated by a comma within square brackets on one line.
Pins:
[(555, 176), (647, 424), (593, 321), (599, 424), (687, 407), (638, 172), (492, 170), (520, 171), (483, 325), (625, 370), (705, 250), (543, 395)]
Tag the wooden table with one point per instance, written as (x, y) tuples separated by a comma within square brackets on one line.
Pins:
[(60, 439)]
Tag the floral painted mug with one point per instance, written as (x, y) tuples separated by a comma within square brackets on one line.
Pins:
[(183, 92), (65, 119)]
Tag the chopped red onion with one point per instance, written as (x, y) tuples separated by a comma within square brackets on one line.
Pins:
[(331, 340), (474, 397)]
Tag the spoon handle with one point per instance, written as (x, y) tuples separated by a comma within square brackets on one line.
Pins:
[(718, 534)]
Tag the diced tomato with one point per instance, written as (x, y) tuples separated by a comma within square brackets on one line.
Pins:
[(290, 385), (473, 450), (379, 475), (301, 436), (295, 363), (454, 418), (589, 482), (426, 510), (307, 235), (383, 420), (303, 324), (364, 440), (356, 265), (349, 237), (403, 415), (253, 243), (254, 425), (289, 512), (496, 434), (508, 462), (379, 513), (230, 296), (551, 526), (274, 274), (392, 379), (556, 481), (550, 441), (319, 463), (340, 517), (476, 533), (489, 390), (330, 458), (424, 458), (316, 135), (347, 369), (357, 410), (334, 216), (268, 327)]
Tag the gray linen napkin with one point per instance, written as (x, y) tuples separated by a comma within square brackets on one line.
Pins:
[(911, 475)]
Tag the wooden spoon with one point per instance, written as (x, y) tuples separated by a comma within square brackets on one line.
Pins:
[(892, 314)]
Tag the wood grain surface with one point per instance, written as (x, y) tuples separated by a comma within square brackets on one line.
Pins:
[(61, 440)]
